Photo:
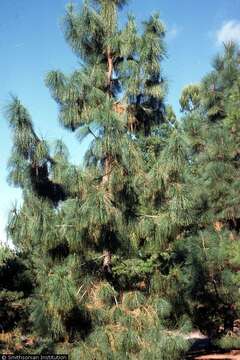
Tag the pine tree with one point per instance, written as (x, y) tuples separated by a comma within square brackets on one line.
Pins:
[(211, 127), (103, 239), (16, 286)]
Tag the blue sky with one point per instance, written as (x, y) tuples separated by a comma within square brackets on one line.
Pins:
[(32, 43)]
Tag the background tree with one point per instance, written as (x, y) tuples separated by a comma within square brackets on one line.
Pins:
[(16, 286), (213, 245)]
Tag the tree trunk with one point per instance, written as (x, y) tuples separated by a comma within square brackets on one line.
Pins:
[(107, 261), (106, 170), (107, 161), (110, 68)]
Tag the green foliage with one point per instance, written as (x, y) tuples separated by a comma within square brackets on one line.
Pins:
[(190, 98), (130, 251), (228, 342), (212, 285), (15, 287)]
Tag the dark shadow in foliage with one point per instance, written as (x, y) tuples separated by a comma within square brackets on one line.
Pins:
[(60, 252), (129, 198), (13, 276), (108, 240), (44, 187), (10, 315), (159, 199), (15, 287), (78, 324), (234, 224)]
